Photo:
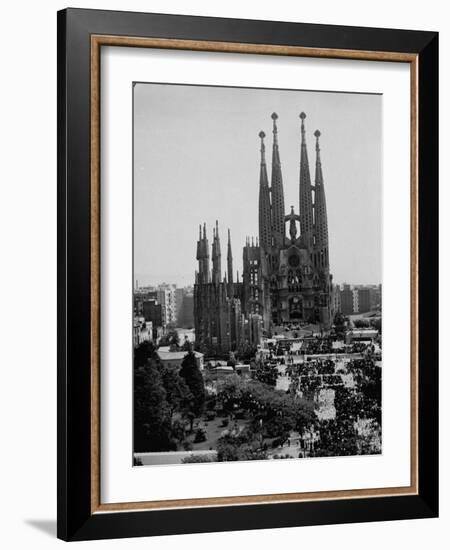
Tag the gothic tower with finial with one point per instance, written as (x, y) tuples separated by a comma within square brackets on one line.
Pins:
[(320, 212), (265, 215), (230, 266), (305, 195), (203, 256), (216, 257), (218, 318), (276, 186)]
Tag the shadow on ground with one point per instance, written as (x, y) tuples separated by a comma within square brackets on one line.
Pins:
[(47, 526)]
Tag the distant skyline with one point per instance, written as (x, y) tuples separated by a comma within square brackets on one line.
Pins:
[(156, 285), (196, 159)]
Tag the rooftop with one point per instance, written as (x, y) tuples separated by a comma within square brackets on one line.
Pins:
[(166, 355)]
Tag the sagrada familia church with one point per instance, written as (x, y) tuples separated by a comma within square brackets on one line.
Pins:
[(286, 276)]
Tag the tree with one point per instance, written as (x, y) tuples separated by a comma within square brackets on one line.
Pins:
[(231, 362), (187, 346), (273, 412), (143, 353), (152, 426), (267, 373), (244, 446), (247, 352), (337, 439), (170, 339), (376, 323), (194, 380), (340, 323), (178, 395)]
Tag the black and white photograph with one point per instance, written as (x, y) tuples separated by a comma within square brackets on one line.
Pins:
[(257, 326), (222, 255)]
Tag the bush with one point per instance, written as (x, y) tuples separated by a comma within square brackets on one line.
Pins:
[(196, 459), (200, 436), (187, 445), (361, 323)]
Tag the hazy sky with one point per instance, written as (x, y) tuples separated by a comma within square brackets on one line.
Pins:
[(196, 159)]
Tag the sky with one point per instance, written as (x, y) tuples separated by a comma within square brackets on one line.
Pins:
[(196, 159)]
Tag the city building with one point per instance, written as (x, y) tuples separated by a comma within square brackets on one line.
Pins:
[(361, 335), (336, 298), (346, 300), (357, 299), (142, 331), (166, 296), (152, 311), (365, 300), (286, 277), (140, 296), (179, 297), (185, 315)]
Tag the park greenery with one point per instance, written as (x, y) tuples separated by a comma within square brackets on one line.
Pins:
[(176, 408), (168, 402)]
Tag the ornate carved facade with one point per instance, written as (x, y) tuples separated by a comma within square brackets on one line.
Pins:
[(286, 275)]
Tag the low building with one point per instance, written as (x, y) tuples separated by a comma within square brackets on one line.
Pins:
[(222, 370), (175, 358), (361, 335), (242, 369)]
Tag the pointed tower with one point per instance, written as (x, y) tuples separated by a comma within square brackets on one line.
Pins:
[(216, 257), (265, 222), (320, 212), (305, 207), (229, 261), (278, 213), (203, 256)]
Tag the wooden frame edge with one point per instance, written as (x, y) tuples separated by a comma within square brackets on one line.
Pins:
[(261, 49)]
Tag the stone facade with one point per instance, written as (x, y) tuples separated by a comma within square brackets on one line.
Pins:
[(286, 274)]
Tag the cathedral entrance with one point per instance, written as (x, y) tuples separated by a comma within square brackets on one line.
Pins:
[(296, 308)]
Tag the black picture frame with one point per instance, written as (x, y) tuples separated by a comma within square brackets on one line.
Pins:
[(75, 518)]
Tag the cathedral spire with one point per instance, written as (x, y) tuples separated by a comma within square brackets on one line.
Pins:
[(319, 175), (265, 224), (320, 212), (216, 256), (305, 191), (203, 256), (278, 213), (229, 261)]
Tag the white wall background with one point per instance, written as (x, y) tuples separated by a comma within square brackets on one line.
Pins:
[(28, 274)]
